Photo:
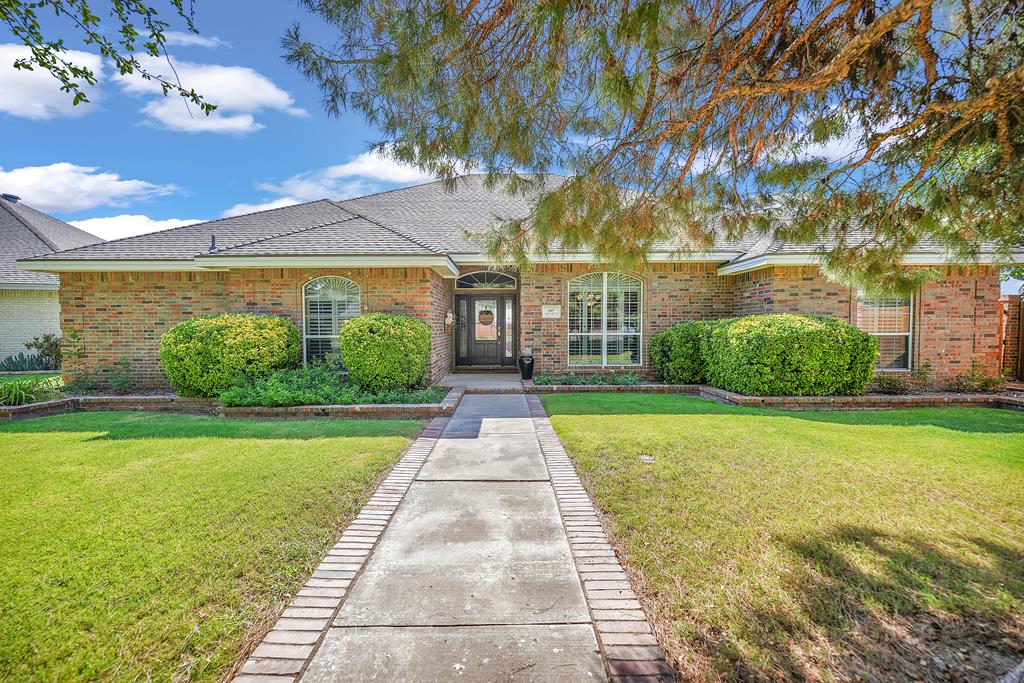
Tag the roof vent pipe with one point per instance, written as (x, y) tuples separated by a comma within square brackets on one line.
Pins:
[(213, 243), (12, 198)]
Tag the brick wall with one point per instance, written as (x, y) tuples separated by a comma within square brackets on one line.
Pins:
[(1012, 314), (25, 314), (671, 293), (957, 321), (1011, 319), (123, 315)]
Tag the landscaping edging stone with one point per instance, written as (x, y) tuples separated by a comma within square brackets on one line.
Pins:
[(286, 650), (209, 406), (866, 402), (627, 643)]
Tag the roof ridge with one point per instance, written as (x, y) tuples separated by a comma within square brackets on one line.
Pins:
[(192, 225), (389, 228), (18, 217), (286, 233)]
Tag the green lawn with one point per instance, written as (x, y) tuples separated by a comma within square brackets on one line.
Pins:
[(138, 546), (53, 377), (813, 546)]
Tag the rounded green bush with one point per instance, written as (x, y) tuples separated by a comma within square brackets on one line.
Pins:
[(204, 356), (790, 355), (382, 351), (677, 352)]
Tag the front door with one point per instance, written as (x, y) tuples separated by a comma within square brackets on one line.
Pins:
[(485, 333)]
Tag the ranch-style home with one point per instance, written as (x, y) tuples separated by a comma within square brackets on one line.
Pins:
[(412, 251)]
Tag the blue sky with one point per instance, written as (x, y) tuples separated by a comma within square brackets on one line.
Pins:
[(131, 161)]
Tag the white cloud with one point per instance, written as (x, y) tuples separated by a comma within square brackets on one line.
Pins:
[(186, 39), (68, 187), (365, 173), (239, 93), (36, 94), (239, 209), (126, 225)]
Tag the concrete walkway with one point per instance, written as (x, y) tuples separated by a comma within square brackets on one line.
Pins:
[(473, 578)]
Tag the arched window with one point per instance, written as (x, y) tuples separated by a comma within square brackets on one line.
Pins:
[(486, 279), (328, 302), (604, 320)]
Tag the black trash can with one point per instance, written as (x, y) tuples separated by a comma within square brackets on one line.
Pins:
[(526, 363)]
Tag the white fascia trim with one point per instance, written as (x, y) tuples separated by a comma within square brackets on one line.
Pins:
[(562, 257), (442, 264), (35, 287), (111, 265), (759, 262)]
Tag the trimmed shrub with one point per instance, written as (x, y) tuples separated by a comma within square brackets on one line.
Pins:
[(204, 356), (677, 352), (383, 351), (790, 355)]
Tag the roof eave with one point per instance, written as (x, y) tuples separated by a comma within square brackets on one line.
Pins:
[(810, 259), (33, 286), (588, 257)]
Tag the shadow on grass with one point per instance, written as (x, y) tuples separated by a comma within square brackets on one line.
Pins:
[(982, 420), (920, 613), (124, 426)]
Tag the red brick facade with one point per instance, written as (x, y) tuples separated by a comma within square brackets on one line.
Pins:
[(123, 315), (1011, 330), (957, 316)]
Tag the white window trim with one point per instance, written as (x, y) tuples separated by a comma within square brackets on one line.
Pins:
[(909, 334), (513, 288), (305, 336), (603, 334)]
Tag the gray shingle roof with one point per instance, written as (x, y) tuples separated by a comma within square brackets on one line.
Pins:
[(189, 241), (26, 232), (352, 235), (420, 220), (431, 214)]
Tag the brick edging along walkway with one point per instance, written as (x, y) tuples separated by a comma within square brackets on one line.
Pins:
[(288, 647), (628, 646)]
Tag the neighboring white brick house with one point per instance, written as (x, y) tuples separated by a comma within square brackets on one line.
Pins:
[(26, 314), (28, 301)]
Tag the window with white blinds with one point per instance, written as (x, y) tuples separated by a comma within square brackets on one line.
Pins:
[(328, 302), (890, 321), (604, 320)]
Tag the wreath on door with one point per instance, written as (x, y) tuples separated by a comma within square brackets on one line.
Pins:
[(485, 317)]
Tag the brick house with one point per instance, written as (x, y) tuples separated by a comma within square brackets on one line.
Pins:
[(29, 306), (412, 251)]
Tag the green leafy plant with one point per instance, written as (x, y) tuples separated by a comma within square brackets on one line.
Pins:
[(22, 363), (977, 380), (790, 355), (317, 384), (48, 349), (921, 376), (121, 377), (17, 392), (384, 351), (618, 379), (677, 352), (888, 383), (205, 355), (78, 379)]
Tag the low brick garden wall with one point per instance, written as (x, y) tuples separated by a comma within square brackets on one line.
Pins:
[(867, 402), (209, 406)]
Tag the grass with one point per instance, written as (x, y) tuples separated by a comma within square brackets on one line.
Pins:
[(52, 377), (145, 546), (813, 546)]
